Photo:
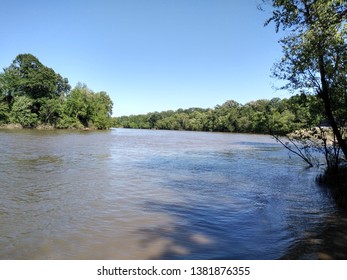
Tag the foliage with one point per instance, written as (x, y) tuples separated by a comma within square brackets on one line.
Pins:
[(51, 110), (315, 54), (4, 113), (32, 94), (28, 76), (89, 108), (261, 116), (21, 111)]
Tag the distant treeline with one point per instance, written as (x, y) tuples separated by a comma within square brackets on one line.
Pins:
[(33, 95), (277, 115)]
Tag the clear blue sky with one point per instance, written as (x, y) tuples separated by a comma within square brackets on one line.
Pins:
[(148, 55)]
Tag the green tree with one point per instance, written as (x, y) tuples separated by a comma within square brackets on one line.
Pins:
[(101, 110), (226, 116), (85, 108), (78, 104), (153, 118), (6, 90), (4, 112), (22, 112), (32, 94), (315, 54), (51, 110), (28, 76)]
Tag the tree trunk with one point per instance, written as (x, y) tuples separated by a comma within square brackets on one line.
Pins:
[(333, 123), (324, 95)]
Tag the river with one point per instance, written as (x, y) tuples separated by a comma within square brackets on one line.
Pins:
[(143, 194)]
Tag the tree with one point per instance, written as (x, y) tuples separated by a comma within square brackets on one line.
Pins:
[(32, 94), (78, 104), (22, 111), (6, 91), (101, 110), (315, 54), (86, 108), (28, 76), (153, 118), (3, 112), (51, 110)]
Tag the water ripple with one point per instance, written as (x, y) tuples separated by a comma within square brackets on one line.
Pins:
[(133, 194)]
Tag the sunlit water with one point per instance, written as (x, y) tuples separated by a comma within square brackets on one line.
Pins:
[(139, 194)]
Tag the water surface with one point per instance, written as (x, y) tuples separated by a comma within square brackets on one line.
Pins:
[(140, 194)]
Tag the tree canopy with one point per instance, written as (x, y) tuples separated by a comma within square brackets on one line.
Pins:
[(32, 94)]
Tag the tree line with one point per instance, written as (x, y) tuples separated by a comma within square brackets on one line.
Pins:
[(279, 116), (34, 95)]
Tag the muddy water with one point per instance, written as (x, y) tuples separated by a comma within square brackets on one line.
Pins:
[(137, 194)]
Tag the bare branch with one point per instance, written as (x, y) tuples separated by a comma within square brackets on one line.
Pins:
[(296, 152)]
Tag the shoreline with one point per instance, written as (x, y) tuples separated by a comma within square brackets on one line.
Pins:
[(43, 127)]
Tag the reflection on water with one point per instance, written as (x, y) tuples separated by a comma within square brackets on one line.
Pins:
[(131, 194)]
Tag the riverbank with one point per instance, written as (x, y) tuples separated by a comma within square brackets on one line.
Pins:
[(19, 126), (11, 126), (43, 127)]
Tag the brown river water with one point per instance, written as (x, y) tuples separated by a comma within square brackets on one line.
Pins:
[(142, 194)]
